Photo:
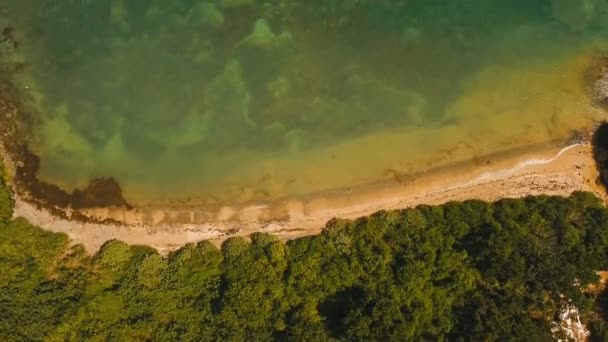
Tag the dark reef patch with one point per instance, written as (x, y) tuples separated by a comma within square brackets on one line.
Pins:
[(9, 46), (100, 192)]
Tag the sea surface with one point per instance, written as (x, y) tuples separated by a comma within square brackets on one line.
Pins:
[(223, 102)]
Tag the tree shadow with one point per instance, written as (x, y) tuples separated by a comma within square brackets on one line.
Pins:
[(599, 142), (336, 308)]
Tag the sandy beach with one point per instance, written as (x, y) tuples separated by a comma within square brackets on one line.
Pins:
[(548, 171)]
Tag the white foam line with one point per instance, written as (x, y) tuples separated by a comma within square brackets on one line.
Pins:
[(501, 174)]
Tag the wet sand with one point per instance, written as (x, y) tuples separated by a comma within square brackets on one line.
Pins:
[(546, 170)]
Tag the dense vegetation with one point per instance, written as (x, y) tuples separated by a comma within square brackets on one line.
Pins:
[(462, 271)]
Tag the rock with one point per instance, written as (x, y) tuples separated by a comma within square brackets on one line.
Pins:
[(263, 37), (600, 87), (119, 16), (228, 101), (279, 87), (596, 79), (207, 15), (263, 55), (101, 192)]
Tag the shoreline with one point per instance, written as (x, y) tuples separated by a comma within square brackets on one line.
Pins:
[(517, 166), (546, 171)]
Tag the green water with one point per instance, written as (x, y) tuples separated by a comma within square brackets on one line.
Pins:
[(230, 101)]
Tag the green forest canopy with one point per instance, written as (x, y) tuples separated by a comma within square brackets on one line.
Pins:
[(461, 271)]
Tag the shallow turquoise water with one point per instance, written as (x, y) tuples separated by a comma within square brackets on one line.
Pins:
[(229, 101)]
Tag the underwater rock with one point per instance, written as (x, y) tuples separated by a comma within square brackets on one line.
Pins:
[(596, 79), (264, 56), (352, 112), (207, 15), (26, 177), (228, 103), (578, 14), (262, 53), (119, 16), (10, 58), (279, 87), (600, 87), (101, 192), (263, 37), (403, 105)]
